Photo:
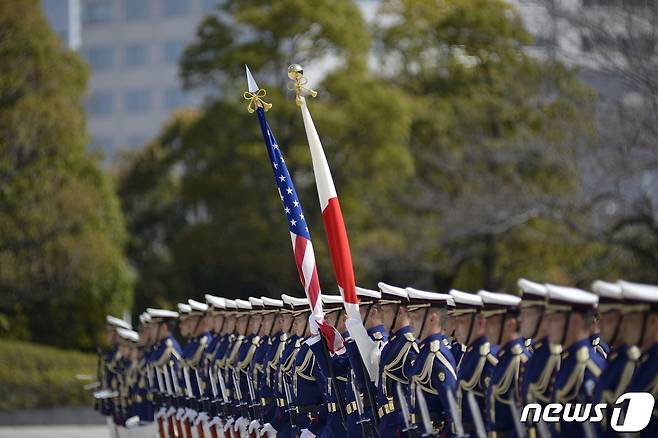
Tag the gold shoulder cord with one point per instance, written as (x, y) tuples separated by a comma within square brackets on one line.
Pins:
[(538, 390), (570, 390)]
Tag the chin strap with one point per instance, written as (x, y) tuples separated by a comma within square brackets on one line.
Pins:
[(470, 329), (395, 318), (615, 334), (276, 315), (541, 318), (503, 318), (422, 326), (566, 327), (645, 319), (367, 313)]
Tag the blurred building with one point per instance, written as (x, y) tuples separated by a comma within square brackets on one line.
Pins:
[(133, 48)]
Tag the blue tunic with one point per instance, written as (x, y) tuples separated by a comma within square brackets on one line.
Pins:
[(434, 372), (395, 364), (503, 388), (473, 374), (646, 380), (581, 366)]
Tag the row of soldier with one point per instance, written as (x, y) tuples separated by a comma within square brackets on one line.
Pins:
[(417, 363)]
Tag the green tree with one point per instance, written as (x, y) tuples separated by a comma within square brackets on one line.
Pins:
[(494, 138), (215, 222), (61, 227)]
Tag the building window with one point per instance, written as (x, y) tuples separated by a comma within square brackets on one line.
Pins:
[(138, 9), (100, 103), (173, 8), (137, 101), (172, 51), (99, 58), (97, 12), (175, 98), (136, 55)]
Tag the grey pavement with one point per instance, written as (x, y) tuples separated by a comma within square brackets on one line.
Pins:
[(71, 431)]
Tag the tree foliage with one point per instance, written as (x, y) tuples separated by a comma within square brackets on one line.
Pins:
[(61, 227), (454, 153)]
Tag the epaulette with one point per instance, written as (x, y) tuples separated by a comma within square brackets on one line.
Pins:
[(412, 340), (446, 342), (378, 336), (633, 353), (485, 349), (200, 349), (555, 349), (492, 359), (435, 346), (582, 354)]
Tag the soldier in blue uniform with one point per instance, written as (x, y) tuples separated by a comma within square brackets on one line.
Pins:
[(274, 412), (194, 362), (144, 396), (434, 370), (395, 360), (571, 311), (502, 312), (163, 364), (334, 368), (241, 314), (640, 327), (241, 371), (359, 382), (622, 361), (478, 361), (308, 383), (536, 374), (109, 367), (264, 395)]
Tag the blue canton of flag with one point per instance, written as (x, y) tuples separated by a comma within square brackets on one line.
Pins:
[(287, 192)]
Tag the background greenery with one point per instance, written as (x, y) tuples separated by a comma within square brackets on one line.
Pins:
[(34, 376)]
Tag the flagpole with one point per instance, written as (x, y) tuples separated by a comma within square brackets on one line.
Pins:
[(301, 239)]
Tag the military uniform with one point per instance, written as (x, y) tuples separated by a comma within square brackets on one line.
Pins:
[(476, 366), (580, 365), (643, 299), (502, 390), (434, 370), (334, 365)]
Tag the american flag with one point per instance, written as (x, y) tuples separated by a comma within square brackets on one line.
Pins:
[(292, 210)]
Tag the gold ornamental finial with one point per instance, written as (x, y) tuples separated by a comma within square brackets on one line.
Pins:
[(296, 73), (256, 99)]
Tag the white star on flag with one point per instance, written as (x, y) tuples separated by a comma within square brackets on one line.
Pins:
[(289, 190), (293, 222), (295, 203), (282, 178), (287, 209)]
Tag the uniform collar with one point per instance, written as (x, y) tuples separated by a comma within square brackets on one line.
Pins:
[(514, 346), (401, 332), (378, 328), (479, 341), (433, 337), (585, 342)]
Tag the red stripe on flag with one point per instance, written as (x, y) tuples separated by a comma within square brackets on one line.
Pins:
[(300, 250), (340, 249)]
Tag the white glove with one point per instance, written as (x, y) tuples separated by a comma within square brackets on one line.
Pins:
[(307, 434), (228, 424), (240, 426), (254, 426), (313, 323), (201, 418), (268, 431), (180, 413), (190, 414)]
